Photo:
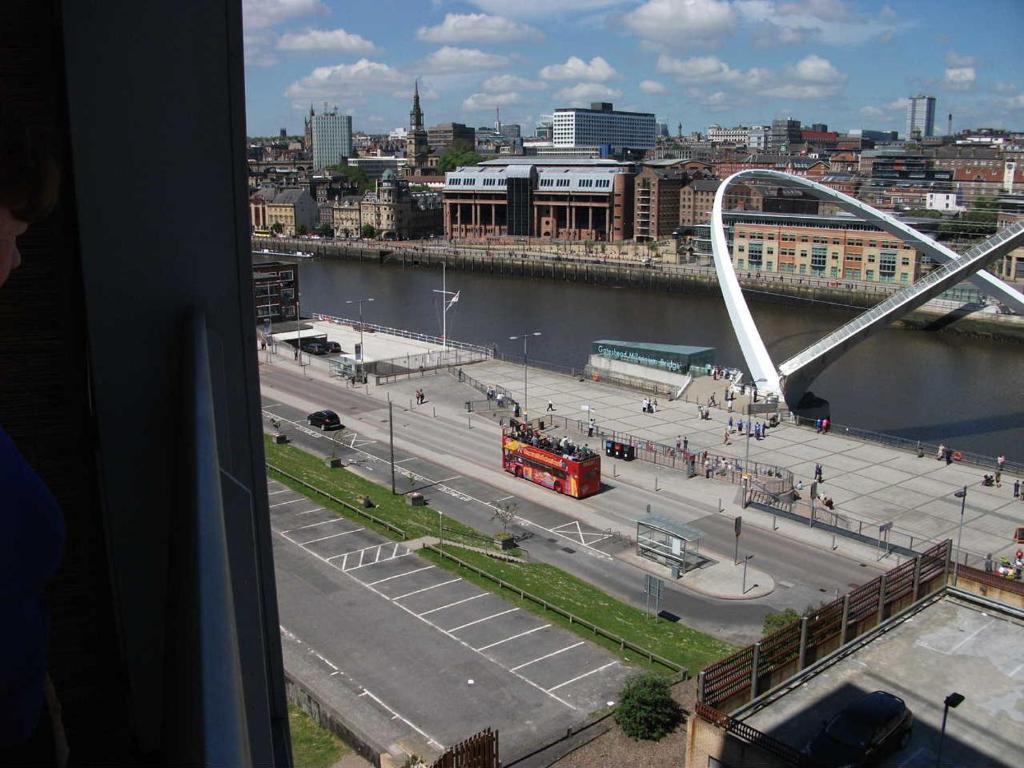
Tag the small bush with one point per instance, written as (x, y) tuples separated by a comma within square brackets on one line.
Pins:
[(773, 622), (647, 709)]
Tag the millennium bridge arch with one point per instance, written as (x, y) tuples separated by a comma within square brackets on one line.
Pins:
[(792, 378)]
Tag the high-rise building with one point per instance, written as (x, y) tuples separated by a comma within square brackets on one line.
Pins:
[(441, 137), (920, 117), (573, 127), (332, 138), (785, 134), (416, 146)]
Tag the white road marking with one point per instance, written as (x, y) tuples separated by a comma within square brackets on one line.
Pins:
[(580, 677), (283, 490), (485, 618), (427, 589), (385, 560), (293, 501), (548, 655), (970, 637), (399, 575), (420, 731), (457, 602), (332, 536), (314, 525), (514, 637)]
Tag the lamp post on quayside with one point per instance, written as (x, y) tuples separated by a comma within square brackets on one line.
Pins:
[(962, 495), (524, 337), (746, 456), (362, 349)]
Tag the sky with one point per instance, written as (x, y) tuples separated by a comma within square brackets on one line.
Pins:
[(847, 63)]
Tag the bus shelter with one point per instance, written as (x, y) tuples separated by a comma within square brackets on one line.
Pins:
[(671, 543)]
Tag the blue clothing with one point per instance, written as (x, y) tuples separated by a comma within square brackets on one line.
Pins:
[(31, 545)]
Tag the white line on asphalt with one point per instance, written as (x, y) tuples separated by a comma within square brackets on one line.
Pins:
[(399, 575), (282, 503), (514, 637), (337, 672), (314, 525), (283, 490), (970, 637), (435, 586), (385, 560), (376, 557), (485, 618), (394, 552), (332, 536), (440, 629), (457, 602), (420, 731), (505, 498), (548, 655), (580, 677)]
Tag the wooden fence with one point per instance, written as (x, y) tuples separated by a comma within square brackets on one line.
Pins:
[(479, 751)]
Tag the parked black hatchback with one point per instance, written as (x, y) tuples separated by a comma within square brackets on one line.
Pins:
[(863, 733), (325, 420)]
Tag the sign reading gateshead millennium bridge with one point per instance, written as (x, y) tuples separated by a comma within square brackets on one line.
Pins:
[(676, 358)]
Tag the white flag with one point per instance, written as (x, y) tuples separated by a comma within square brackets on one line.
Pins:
[(455, 297)]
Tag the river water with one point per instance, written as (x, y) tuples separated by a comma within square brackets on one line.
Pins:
[(934, 387)]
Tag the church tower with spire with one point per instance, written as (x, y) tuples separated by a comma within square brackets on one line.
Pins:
[(416, 146)]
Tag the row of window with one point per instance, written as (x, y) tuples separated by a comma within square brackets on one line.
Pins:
[(820, 270)]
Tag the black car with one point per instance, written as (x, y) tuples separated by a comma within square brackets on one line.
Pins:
[(325, 420), (333, 347), (863, 733), (314, 347)]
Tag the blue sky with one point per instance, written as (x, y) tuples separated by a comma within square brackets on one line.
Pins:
[(847, 63)]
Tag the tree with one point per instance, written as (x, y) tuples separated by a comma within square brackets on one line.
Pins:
[(301, 230), (325, 230), (277, 228), (355, 175), (647, 709), (368, 231), (773, 622), (458, 154)]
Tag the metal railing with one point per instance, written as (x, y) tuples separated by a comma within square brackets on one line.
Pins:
[(743, 731), (403, 333)]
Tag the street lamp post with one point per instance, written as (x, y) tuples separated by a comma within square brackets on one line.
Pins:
[(746, 560), (962, 495), (524, 337), (746, 456), (952, 701), (362, 349)]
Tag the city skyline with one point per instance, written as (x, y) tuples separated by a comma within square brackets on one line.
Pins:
[(698, 62)]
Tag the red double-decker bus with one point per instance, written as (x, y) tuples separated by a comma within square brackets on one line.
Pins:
[(572, 470)]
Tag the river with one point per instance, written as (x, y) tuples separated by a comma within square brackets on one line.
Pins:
[(934, 387)]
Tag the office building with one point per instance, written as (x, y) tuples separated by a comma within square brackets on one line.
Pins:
[(602, 125), (738, 136), (757, 137), (446, 135), (511, 130), (920, 117), (332, 138), (275, 286), (784, 135)]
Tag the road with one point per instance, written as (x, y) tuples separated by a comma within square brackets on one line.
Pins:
[(459, 467)]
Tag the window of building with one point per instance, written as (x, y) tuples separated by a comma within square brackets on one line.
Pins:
[(870, 274), (904, 278), (851, 274), (803, 238), (818, 257), (770, 266), (905, 261), (739, 263), (754, 256), (803, 269), (887, 266), (835, 271), (771, 251)]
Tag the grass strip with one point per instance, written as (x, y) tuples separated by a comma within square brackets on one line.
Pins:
[(670, 640), (313, 746), (348, 487)]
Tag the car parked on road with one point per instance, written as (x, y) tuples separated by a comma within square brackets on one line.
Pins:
[(315, 347), (863, 733), (333, 347), (325, 420)]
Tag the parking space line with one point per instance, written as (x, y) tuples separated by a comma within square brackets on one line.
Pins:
[(376, 557), (514, 637), (314, 525), (580, 677), (420, 731), (485, 618), (398, 575), (385, 560), (283, 490), (450, 605), (293, 501), (549, 655), (332, 536), (435, 586)]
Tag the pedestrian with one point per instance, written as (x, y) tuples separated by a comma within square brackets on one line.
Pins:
[(730, 423), (591, 426), (707, 469), (1001, 462), (817, 472), (686, 443), (826, 425), (501, 399), (739, 426), (949, 456), (1016, 489), (999, 478), (551, 406), (725, 440), (679, 442), (817, 425), (941, 453)]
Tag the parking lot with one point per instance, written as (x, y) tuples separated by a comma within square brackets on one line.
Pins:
[(513, 670)]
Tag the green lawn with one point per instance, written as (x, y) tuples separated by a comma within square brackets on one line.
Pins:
[(347, 486), (673, 641), (313, 746)]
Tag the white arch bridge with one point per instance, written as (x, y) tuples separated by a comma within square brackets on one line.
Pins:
[(792, 378)]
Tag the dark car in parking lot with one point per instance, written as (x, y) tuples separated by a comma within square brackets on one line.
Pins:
[(333, 347), (863, 733), (325, 420), (315, 347)]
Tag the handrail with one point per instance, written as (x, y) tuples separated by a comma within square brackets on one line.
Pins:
[(404, 334), (214, 729)]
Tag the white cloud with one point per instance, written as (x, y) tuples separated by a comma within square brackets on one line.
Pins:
[(888, 109), (477, 28), (500, 83), (582, 94), (461, 60), (651, 86), (711, 69), (682, 23), (959, 78), (718, 101), (870, 111), (542, 7), (787, 22), (815, 69), (799, 91), (256, 47), (346, 82), (260, 14), (325, 40), (1015, 102), (488, 101), (955, 59), (576, 68)]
